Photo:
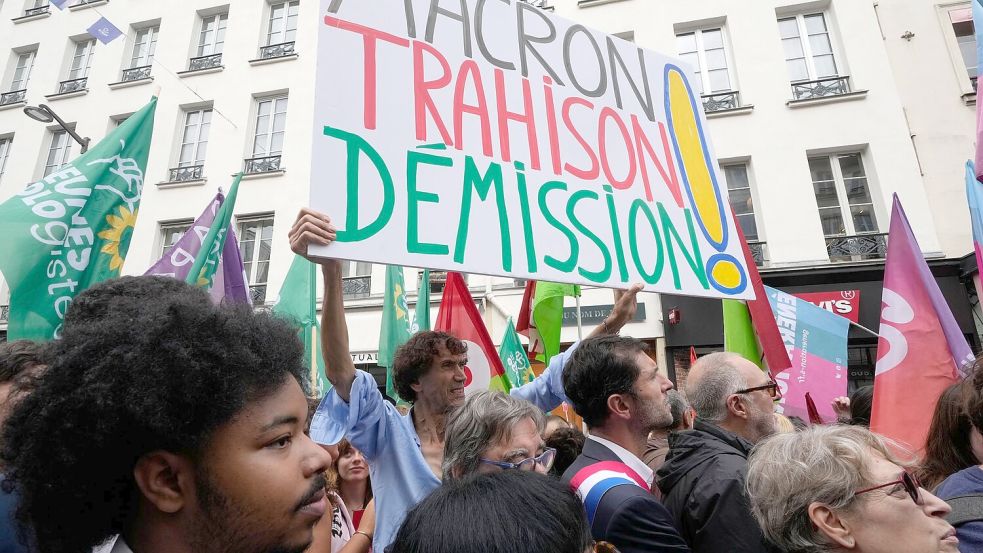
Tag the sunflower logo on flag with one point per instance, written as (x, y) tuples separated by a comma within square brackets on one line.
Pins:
[(118, 236)]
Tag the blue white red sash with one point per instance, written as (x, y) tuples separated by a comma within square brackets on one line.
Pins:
[(593, 481)]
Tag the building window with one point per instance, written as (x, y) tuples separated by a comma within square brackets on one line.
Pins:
[(271, 120), (742, 204), (255, 243), (59, 152), (962, 26), (5, 144), (170, 233), (356, 279), (194, 146), (142, 56), (283, 23), (846, 208), (78, 69), (17, 89), (809, 58), (211, 41), (706, 52), (36, 7)]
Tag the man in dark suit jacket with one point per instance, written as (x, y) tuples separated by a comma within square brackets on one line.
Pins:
[(617, 389)]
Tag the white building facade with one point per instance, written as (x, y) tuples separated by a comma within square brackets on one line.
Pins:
[(819, 112)]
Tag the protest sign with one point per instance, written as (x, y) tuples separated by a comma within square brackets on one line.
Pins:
[(496, 138)]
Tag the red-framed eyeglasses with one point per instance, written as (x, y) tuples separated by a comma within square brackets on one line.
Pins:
[(907, 480)]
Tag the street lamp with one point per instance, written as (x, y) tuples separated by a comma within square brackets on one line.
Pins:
[(45, 114)]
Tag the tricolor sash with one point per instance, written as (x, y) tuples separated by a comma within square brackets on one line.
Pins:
[(593, 481)]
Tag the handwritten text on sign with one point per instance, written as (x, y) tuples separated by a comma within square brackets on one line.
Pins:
[(490, 137)]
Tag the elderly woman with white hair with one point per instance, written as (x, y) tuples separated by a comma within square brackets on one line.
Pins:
[(839, 489)]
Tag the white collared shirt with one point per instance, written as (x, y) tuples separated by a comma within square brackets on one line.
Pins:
[(627, 458), (113, 545)]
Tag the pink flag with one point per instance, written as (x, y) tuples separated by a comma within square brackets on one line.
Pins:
[(921, 350)]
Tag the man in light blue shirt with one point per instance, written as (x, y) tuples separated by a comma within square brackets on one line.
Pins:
[(405, 452)]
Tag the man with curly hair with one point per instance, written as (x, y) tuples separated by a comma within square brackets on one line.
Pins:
[(405, 453), (179, 426)]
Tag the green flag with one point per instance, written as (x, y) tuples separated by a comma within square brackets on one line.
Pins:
[(514, 358), (206, 262), (739, 335), (72, 228), (298, 303), (547, 313), (422, 319), (395, 324)]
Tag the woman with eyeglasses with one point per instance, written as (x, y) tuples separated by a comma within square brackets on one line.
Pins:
[(839, 489)]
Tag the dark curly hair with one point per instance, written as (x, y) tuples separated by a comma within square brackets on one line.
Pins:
[(414, 358), (129, 293), (161, 377), (600, 367), (18, 357), (568, 443)]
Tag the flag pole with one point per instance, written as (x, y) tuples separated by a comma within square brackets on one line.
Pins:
[(865, 329), (312, 314), (580, 326)]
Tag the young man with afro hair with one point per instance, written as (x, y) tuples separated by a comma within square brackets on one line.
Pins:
[(173, 423), (406, 453)]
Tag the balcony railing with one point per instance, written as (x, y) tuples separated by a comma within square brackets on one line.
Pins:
[(721, 101), (4, 313), (541, 4), (820, 88), (859, 247), (276, 50), (257, 293), (72, 85), (205, 62), (356, 287), (758, 252), (972, 81), (262, 164), (13, 97), (136, 73), (184, 174), (38, 10)]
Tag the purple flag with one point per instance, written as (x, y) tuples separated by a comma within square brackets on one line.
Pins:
[(60, 4), (104, 30), (978, 28), (230, 278)]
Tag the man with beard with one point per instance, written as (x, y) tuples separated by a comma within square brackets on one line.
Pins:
[(617, 389), (406, 452), (179, 426), (703, 478)]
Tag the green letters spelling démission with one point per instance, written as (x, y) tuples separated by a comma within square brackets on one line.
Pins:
[(477, 186)]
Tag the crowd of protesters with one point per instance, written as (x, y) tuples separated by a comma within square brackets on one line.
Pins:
[(160, 422)]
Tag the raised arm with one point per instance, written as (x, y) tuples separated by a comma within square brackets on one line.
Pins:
[(312, 227)]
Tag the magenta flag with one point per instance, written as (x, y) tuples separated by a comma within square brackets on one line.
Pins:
[(921, 350), (230, 281), (974, 196), (978, 27)]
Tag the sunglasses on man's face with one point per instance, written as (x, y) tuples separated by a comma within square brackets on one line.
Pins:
[(771, 388), (907, 480)]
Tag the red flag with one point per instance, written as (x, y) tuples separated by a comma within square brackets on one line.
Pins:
[(692, 356), (814, 417), (526, 325), (915, 361), (762, 317), (459, 316)]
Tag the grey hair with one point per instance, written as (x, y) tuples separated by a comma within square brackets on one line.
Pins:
[(485, 419), (708, 395), (677, 408), (824, 464)]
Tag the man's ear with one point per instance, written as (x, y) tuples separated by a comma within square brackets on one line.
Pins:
[(166, 480), (832, 525), (737, 407), (619, 406)]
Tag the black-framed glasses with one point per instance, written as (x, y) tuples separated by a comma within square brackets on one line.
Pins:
[(771, 388), (907, 480), (545, 459)]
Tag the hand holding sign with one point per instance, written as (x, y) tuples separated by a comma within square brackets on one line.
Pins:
[(311, 227)]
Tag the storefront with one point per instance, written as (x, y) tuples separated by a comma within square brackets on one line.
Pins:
[(851, 291)]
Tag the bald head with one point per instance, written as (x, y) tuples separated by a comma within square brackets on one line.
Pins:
[(713, 378)]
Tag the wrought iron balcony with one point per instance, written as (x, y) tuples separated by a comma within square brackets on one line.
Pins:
[(136, 73), (257, 293), (541, 4), (205, 62), (184, 174), (13, 97), (356, 287), (859, 247), (4, 313), (972, 81), (758, 252), (721, 101), (820, 88), (262, 164), (72, 85), (38, 10), (276, 50)]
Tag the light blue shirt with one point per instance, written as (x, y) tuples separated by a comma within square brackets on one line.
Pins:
[(401, 477)]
